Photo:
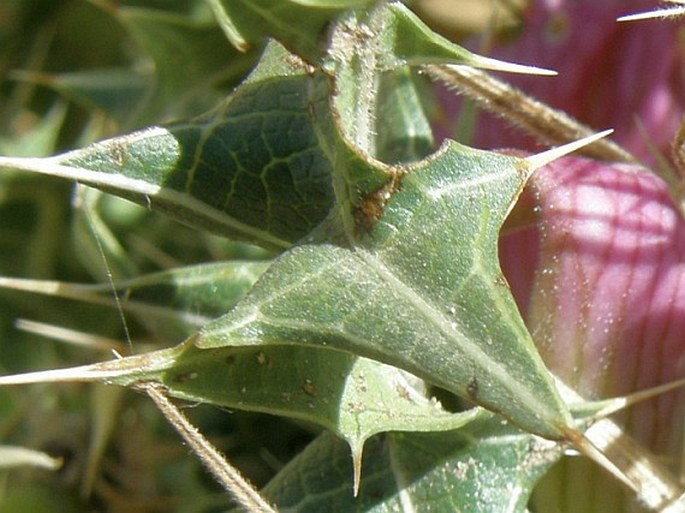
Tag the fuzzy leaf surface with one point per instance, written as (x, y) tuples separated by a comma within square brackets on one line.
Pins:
[(421, 290), (351, 396), (482, 468)]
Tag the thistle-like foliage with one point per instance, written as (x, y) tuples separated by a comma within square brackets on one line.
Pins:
[(357, 280)]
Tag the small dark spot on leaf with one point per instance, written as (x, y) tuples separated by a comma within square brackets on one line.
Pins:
[(230, 359), (186, 376), (309, 387), (403, 393), (371, 206), (472, 388)]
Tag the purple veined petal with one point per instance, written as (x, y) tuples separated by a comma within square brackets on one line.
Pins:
[(621, 75), (600, 281)]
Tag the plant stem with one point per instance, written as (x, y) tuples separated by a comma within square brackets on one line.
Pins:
[(227, 475), (546, 124)]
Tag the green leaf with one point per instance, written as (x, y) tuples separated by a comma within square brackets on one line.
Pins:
[(415, 283), (190, 295), (351, 396), (254, 169), (482, 468), (370, 55), (422, 290), (118, 92), (298, 25), (190, 57), (395, 36), (403, 131)]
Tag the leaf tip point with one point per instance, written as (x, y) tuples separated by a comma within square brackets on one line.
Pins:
[(509, 67), (357, 469), (83, 373), (669, 12), (546, 157)]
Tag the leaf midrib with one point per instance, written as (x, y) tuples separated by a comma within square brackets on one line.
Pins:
[(432, 314)]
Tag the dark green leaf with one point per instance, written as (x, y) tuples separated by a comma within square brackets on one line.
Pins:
[(482, 468), (299, 26), (254, 169), (190, 57)]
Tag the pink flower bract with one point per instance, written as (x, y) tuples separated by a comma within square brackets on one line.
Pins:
[(625, 76), (600, 280)]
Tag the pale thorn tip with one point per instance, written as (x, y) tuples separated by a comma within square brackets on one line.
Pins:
[(71, 374), (542, 159), (509, 67), (668, 12)]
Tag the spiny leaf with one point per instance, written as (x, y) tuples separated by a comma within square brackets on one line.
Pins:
[(415, 284), (193, 295), (482, 468), (396, 34), (351, 396), (299, 26), (253, 170), (405, 39), (421, 290)]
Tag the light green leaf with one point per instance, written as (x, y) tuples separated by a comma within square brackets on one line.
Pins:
[(482, 468), (422, 290), (190, 295), (403, 131)]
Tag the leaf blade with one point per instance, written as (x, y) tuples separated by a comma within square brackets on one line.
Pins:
[(404, 294)]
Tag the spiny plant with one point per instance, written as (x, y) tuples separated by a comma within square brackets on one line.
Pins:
[(353, 288)]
